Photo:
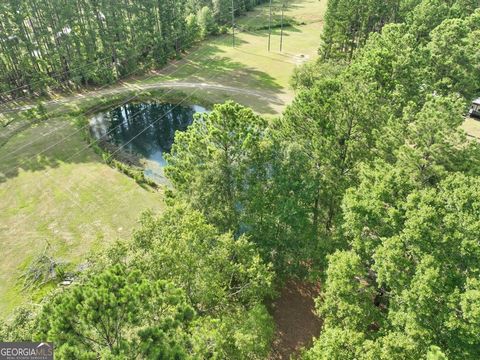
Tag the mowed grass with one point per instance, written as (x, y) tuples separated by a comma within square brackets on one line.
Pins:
[(66, 197), (472, 127)]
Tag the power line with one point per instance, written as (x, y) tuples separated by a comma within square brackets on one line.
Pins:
[(89, 145), (86, 126), (94, 108), (178, 104), (63, 139), (270, 25), (95, 141), (93, 207)]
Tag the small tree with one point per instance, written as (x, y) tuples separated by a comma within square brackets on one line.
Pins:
[(117, 314), (206, 22), (192, 29)]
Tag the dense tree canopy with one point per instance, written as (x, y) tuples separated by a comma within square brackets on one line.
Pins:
[(370, 159), (51, 43), (211, 306), (118, 313), (348, 24), (399, 287)]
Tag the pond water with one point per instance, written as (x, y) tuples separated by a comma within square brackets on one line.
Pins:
[(145, 129)]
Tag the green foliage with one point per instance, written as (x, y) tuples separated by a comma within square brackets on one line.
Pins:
[(36, 113), (365, 176), (224, 280), (349, 23), (233, 169), (333, 128), (239, 335), (192, 29), (419, 253), (232, 271), (336, 344), (347, 298), (206, 22), (306, 75), (135, 172), (406, 284), (210, 163), (421, 282), (455, 56), (21, 325), (43, 269), (117, 313)]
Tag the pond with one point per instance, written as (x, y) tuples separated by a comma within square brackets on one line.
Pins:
[(145, 129)]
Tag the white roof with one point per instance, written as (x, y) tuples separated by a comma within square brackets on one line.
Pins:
[(477, 102)]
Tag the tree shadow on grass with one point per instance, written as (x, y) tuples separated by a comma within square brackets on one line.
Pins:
[(211, 66), (44, 146), (217, 67)]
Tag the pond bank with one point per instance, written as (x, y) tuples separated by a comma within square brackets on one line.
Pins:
[(139, 134)]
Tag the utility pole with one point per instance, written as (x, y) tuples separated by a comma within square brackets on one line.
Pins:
[(175, 28), (281, 29), (270, 26), (233, 25)]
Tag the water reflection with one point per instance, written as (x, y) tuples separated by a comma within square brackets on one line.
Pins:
[(146, 129)]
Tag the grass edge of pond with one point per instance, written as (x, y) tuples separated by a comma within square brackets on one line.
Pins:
[(118, 158)]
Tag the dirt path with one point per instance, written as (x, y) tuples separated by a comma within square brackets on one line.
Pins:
[(157, 85), (296, 323)]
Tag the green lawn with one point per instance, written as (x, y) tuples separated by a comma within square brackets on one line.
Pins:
[(472, 127), (78, 203), (73, 203)]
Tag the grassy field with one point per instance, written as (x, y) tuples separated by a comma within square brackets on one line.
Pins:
[(55, 190), (472, 127), (74, 202)]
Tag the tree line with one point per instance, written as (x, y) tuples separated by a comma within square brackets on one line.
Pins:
[(348, 24), (55, 44)]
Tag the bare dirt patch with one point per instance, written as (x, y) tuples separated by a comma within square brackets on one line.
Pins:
[(295, 320)]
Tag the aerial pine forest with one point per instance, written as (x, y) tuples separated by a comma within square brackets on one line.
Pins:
[(240, 179)]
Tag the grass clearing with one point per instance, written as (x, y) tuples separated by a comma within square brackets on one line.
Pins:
[(472, 127), (74, 205), (80, 204)]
